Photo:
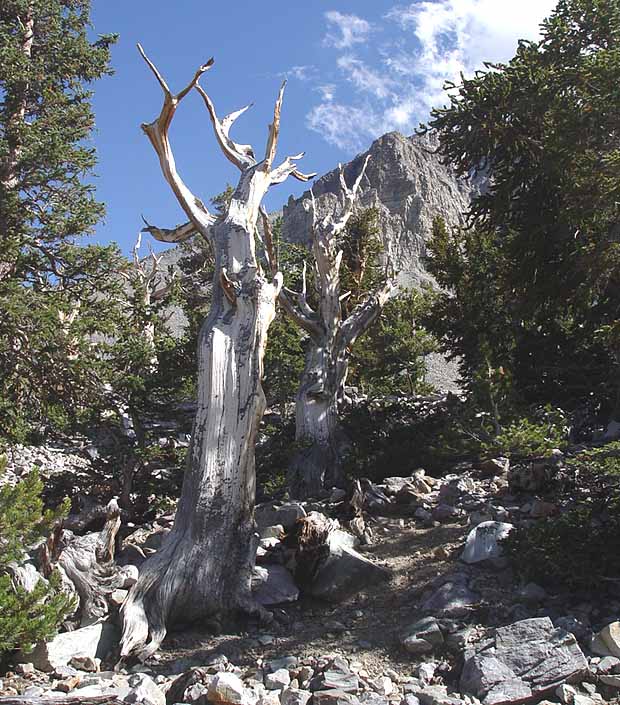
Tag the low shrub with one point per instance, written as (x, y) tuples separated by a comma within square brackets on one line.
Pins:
[(27, 617)]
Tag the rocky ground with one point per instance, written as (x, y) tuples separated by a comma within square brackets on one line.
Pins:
[(412, 602)]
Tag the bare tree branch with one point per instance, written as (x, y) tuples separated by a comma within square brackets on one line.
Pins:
[(157, 132), (178, 234), (303, 316), (241, 155)]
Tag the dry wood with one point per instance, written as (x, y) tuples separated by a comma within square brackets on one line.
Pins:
[(319, 463), (205, 564), (88, 561)]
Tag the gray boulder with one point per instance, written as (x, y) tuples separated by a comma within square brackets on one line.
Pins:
[(334, 697), (526, 659), (273, 513), (295, 696), (94, 641), (344, 571), (273, 585)]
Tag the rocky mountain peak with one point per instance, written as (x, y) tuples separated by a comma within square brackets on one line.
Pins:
[(407, 183)]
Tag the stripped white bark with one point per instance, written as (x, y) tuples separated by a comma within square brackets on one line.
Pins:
[(319, 464), (204, 566), (88, 561)]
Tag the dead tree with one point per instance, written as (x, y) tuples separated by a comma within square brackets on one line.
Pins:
[(88, 562), (318, 464), (204, 567), (147, 287)]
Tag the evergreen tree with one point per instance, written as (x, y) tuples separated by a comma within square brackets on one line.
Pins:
[(545, 128), (26, 616), (390, 356), (54, 292)]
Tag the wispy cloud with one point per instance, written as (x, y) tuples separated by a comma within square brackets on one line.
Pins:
[(345, 126), (424, 44), (345, 30), (364, 78), (302, 73)]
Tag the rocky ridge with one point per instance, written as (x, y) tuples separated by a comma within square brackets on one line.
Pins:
[(407, 183)]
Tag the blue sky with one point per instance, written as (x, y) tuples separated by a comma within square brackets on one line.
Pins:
[(355, 71)]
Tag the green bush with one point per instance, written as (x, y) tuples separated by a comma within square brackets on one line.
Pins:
[(577, 550), (26, 618), (531, 436)]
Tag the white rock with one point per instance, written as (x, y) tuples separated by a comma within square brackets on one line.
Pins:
[(607, 641), (144, 691), (229, 688), (278, 679), (483, 541), (94, 640), (566, 693)]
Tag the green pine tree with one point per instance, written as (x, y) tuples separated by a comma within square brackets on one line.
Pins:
[(55, 293)]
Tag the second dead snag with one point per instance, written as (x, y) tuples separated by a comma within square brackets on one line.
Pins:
[(318, 464)]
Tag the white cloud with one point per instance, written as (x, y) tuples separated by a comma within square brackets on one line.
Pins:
[(327, 91), (426, 43), (363, 78), (301, 73), (345, 126), (345, 30), (457, 36)]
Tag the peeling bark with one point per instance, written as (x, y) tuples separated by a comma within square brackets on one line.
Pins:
[(204, 566), (88, 561)]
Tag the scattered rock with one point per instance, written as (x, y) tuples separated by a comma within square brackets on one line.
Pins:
[(481, 674), (566, 693), (423, 637), (295, 696), (494, 467), (25, 669), (273, 585), (144, 691), (278, 679), (483, 541), (272, 513), (229, 689), (530, 654), (334, 697), (93, 641), (607, 641), (452, 599), (189, 686), (344, 571)]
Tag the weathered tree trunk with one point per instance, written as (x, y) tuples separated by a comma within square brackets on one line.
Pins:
[(318, 463), (88, 562), (204, 566)]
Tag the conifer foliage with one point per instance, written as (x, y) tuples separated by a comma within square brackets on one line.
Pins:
[(54, 292), (26, 616), (534, 282)]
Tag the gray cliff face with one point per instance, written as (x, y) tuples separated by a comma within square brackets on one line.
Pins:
[(407, 183)]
